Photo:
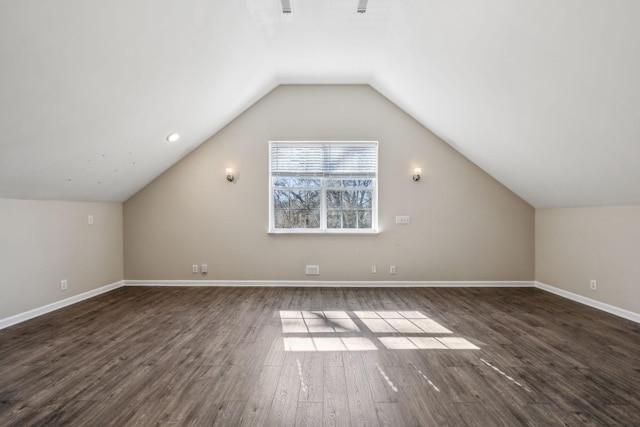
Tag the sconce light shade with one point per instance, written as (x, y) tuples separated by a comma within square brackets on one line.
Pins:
[(416, 174), (230, 176)]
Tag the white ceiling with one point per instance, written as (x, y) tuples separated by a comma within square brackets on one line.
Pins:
[(544, 95)]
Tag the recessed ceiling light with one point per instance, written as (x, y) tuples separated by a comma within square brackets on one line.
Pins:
[(173, 137)]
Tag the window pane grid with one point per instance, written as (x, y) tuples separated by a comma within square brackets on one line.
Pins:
[(333, 188)]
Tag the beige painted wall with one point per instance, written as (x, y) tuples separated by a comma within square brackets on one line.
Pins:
[(575, 245), (464, 224), (43, 242)]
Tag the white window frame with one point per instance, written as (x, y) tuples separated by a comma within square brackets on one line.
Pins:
[(323, 204)]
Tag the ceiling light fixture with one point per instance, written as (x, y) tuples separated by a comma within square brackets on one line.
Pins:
[(173, 137), (362, 6), (286, 6)]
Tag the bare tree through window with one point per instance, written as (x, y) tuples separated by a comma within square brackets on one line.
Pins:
[(323, 186)]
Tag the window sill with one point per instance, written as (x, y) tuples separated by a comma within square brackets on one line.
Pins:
[(327, 232)]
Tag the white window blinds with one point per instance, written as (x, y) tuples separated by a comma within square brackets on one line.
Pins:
[(335, 159)]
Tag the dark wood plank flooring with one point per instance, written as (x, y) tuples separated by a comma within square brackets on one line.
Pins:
[(144, 356)]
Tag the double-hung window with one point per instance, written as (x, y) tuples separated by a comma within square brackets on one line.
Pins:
[(323, 187)]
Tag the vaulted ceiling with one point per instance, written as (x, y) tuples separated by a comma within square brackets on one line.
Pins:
[(543, 95)]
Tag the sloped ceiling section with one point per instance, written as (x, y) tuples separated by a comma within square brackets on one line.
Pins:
[(91, 90), (543, 95)]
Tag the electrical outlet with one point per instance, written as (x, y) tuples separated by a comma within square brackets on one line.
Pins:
[(90, 220), (63, 284), (204, 269), (392, 269), (312, 270), (374, 269), (194, 268), (594, 285)]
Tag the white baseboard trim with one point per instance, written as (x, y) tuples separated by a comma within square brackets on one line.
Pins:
[(620, 312), (334, 284), (21, 317)]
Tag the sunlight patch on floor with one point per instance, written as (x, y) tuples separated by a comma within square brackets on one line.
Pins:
[(328, 344), (393, 330)]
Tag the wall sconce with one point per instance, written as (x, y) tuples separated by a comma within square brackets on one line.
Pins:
[(416, 174), (230, 176)]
